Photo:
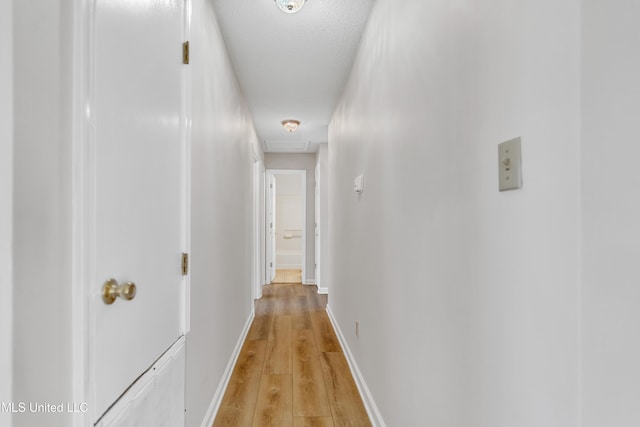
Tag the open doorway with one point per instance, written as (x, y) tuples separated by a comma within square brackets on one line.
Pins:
[(286, 230)]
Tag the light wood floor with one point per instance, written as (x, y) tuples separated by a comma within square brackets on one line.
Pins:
[(291, 371), (287, 276)]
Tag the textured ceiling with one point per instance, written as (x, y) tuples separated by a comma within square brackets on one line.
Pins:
[(292, 66)]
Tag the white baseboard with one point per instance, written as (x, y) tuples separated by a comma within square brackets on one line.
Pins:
[(309, 282), (210, 417), (324, 291), (367, 398)]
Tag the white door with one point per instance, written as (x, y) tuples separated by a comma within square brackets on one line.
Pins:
[(271, 244), (138, 167)]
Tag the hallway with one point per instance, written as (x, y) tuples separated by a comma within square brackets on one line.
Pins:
[(135, 139), (291, 370)]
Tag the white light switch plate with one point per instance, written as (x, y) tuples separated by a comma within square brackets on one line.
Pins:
[(358, 184), (510, 164)]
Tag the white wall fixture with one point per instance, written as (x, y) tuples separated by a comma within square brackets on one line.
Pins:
[(358, 184), (510, 165)]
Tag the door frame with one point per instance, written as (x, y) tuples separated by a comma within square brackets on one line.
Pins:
[(303, 174), (6, 210), (186, 177), (258, 256), (318, 229), (83, 212), (269, 225), (83, 181)]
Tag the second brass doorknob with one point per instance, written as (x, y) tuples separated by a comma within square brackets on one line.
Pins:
[(111, 290)]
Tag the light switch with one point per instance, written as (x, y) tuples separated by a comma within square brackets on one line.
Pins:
[(510, 164), (358, 184)]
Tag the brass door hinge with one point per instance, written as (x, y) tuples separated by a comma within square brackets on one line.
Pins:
[(185, 264), (185, 52)]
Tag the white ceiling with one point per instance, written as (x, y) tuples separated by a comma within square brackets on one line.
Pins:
[(292, 66)]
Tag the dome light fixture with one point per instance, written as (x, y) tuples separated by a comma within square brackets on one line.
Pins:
[(290, 125), (290, 6)]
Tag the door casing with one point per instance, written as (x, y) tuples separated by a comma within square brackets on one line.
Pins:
[(270, 225), (6, 210), (318, 230), (258, 221), (303, 174)]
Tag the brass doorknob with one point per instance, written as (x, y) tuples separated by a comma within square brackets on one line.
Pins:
[(111, 290)]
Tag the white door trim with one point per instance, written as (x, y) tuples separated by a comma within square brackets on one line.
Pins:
[(303, 174), (318, 229), (6, 208), (186, 178), (83, 181), (270, 229), (262, 219), (256, 264)]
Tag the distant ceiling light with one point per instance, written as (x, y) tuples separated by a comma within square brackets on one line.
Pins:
[(290, 125), (290, 6)]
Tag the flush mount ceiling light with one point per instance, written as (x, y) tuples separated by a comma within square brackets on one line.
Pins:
[(290, 6), (290, 125)]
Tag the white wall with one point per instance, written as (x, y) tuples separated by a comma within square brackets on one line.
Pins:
[(6, 204), (289, 223), (322, 162), (289, 184), (42, 207), (222, 135), (611, 221), (300, 162), (466, 297)]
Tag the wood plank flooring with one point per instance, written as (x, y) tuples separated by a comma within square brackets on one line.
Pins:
[(291, 371), (288, 276)]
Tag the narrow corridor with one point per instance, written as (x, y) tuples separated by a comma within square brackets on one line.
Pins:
[(291, 370)]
